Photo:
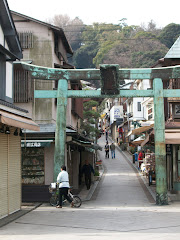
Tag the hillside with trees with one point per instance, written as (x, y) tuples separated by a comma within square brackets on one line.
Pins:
[(128, 46)]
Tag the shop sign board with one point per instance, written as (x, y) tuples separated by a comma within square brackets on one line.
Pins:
[(36, 143), (31, 144), (168, 149), (116, 112)]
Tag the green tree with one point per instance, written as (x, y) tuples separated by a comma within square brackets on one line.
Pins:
[(143, 49), (91, 117), (96, 42), (73, 29), (128, 46), (169, 34), (145, 59), (83, 57)]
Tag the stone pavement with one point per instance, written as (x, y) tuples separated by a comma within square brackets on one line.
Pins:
[(152, 188), (25, 208), (86, 195), (119, 208)]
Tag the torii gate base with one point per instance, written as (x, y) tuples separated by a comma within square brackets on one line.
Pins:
[(63, 76)]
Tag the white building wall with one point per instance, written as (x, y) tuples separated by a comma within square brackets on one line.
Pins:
[(9, 79), (138, 115), (1, 36)]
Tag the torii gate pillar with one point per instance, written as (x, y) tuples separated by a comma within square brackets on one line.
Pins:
[(160, 147), (60, 136)]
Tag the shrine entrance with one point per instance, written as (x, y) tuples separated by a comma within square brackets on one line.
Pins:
[(110, 76)]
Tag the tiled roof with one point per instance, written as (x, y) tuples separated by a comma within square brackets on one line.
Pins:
[(11, 105), (174, 51), (49, 128), (11, 37)]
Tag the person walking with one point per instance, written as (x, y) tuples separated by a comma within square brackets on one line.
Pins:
[(107, 150), (106, 134), (87, 169), (63, 180), (112, 147), (140, 159)]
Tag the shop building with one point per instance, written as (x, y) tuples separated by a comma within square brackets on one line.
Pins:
[(46, 45), (172, 122), (38, 160), (12, 118), (172, 127)]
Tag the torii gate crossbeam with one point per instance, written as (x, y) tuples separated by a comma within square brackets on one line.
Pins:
[(158, 93)]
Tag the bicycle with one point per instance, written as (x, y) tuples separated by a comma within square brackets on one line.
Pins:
[(54, 200)]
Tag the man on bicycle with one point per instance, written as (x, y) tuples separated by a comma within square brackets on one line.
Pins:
[(63, 180)]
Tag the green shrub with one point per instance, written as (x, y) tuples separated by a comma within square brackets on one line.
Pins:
[(96, 172), (123, 146), (132, 150)]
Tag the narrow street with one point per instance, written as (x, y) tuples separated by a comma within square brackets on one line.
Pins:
[(121, 185), (120, 208)]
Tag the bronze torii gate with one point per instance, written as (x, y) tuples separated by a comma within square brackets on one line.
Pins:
[(110, 76)]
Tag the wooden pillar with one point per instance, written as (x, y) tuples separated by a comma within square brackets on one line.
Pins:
[(60, 136), (160, 147)]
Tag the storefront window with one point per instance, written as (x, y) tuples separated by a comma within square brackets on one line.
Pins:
[(33, 165)]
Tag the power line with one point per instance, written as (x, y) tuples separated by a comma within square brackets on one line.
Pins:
[(106, 40), (88, 30)]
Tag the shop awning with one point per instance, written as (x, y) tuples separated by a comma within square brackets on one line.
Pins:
[(172, 137), (139, 130), (14, 120), (129, 133), (146, 140), (121, 125), (87, 144), (103, 115), (138, 140)]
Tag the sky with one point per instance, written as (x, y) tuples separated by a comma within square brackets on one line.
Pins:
[(136, 12)]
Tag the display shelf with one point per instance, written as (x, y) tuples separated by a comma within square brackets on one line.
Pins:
[(26, 175), (149, 164), (33, 166), (33, 170)]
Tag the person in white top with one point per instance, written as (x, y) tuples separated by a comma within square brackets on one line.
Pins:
[(63, 180)]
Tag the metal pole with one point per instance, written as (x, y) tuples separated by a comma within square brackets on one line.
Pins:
[(60, 136), (160, 150)]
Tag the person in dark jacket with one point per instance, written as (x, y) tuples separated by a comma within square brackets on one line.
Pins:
[(87, 169), (112, 147), (106, 150), (106, 134)]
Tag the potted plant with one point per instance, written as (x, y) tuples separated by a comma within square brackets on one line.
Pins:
[(96, 175)]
